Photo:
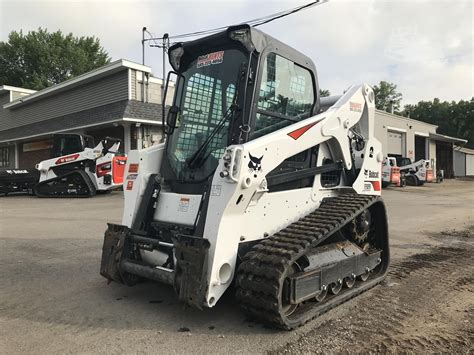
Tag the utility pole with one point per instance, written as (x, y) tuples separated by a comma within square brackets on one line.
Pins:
[(143, 45), (165, 48)]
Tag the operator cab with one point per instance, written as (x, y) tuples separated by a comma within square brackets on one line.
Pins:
[(65, 144), (232, 87)]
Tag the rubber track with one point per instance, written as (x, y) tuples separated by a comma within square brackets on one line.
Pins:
[(85, 177), (262, 272)]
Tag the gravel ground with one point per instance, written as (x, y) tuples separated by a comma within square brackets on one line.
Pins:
[(53, 300)]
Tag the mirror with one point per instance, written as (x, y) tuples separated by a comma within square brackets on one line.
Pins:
[(173, 111), (171, 118)]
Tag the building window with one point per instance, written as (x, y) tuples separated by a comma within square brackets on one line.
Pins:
[(4, 156)]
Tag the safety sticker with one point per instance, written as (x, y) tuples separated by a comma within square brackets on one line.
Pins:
[(216, 190), (132, 177), (133, 168), (183, 204), (355, 106), (130, 185), (210, 59)]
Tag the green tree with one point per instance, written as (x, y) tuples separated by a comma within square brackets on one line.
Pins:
[(324, 93), (452, 118), (40, 58), (387, 97)]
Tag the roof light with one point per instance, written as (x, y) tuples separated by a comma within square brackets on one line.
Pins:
[(175, 57), (243, 36)]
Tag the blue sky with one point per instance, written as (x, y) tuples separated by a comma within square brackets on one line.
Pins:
[(425, 47)]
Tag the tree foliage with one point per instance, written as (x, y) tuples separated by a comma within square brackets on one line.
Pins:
[(324, 93), (387, 96), (40, 59), (452, 118)]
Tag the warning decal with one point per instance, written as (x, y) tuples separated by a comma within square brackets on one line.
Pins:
[(133, 168), (355, 106), (183, 204), (209, 59)]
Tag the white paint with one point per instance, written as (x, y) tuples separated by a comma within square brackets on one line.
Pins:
[(421, 134), (469, 165), (396, 129)]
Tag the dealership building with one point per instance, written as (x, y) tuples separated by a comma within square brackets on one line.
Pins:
[(123, 100), (417, 140)]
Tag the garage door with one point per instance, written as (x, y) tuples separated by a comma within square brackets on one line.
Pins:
[(469, 165), (395, 143)]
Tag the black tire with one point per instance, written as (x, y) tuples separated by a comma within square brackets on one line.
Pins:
[(412, 180)]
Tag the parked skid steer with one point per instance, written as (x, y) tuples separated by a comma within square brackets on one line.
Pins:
[(260, 181), (391, 173), (77, 168), (416, 173)]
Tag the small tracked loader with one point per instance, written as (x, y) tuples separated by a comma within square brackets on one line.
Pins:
[(391, 173), (261, 184), (416, 173), (77, 168)]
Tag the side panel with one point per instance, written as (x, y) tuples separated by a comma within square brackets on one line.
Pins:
[(243, 182), (177, 208), (140, 165)]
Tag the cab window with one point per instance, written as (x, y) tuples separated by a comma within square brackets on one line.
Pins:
[(286, 95)]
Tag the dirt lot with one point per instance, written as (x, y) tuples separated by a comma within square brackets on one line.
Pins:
[(52, 299)]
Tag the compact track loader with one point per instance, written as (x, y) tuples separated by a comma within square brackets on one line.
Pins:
[(391, 173), (416, 173), (77, 168), (261, 184)]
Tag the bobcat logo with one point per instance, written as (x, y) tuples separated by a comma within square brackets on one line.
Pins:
[(366, 172), (255, 164), (371, 152)]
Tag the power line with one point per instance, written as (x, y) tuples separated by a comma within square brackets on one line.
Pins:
[(253, 23)]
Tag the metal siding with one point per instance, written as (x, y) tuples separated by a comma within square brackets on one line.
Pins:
[(469, 165), (133, 83), (459, 164), (101, 92), (394, 143), (4, 114)]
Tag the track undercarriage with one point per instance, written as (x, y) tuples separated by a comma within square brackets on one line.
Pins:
[(72, 184), (285, 280), (324, 259)]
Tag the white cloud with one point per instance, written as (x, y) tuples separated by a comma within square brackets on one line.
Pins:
[(425, 47)]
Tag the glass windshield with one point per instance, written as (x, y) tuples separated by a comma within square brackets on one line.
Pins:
[(204, 96)]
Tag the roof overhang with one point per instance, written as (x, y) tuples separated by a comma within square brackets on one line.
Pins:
[(465, 150), (16, 89), (93, 75), (43, 134), (448, 139), (407, 119)]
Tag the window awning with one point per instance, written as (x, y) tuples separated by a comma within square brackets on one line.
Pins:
[(443, 138)]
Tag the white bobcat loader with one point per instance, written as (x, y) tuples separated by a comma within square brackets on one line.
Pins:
[(391, 173), (260, 182), (416, 173), (77, 168)]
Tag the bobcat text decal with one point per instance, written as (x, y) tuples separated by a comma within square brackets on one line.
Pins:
[(209, 59), (67, 159)]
